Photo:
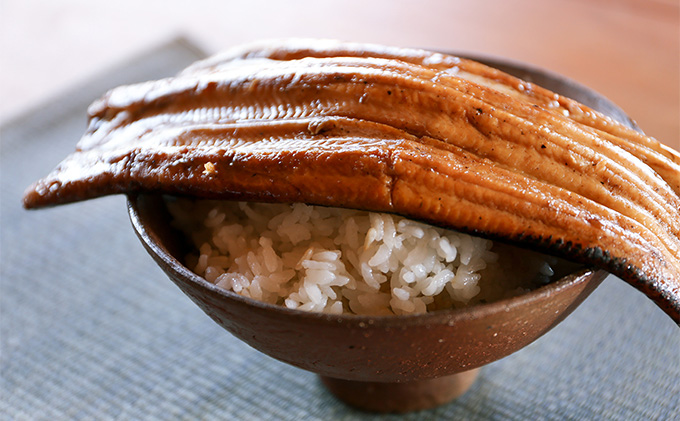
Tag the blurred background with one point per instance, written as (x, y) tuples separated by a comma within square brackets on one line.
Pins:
[(91, 329), (629, 50)]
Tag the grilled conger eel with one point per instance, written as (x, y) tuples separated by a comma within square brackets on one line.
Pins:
[(425, 135)]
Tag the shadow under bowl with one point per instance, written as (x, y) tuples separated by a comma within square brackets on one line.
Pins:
[(394, 363)]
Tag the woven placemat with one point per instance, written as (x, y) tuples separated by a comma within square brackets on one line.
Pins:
[(90, 328)]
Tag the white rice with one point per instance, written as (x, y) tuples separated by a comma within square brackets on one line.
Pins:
[(345, 261)]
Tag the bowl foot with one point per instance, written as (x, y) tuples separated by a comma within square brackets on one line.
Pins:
[(401, 397)]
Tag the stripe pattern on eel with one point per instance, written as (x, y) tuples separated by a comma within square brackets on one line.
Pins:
[(429, 136)]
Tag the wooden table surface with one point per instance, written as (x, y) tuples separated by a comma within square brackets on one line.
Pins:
[(628, 50)]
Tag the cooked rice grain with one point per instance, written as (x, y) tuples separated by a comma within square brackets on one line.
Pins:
[(345, 261)]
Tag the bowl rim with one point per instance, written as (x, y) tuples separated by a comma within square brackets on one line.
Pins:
[(154, 246)]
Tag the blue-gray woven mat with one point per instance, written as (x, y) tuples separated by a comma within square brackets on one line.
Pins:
[(92, 329)]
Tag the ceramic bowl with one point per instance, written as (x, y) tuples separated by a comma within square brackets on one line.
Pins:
[(397, 363)]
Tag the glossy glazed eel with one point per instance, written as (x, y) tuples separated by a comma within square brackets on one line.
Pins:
[(425, 135)]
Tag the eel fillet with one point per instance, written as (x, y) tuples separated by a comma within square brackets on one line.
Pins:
[(429, 136)]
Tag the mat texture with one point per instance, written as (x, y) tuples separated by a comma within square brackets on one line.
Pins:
[(90, 328)]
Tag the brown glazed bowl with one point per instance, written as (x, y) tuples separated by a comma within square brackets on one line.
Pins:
[(389, 364)]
